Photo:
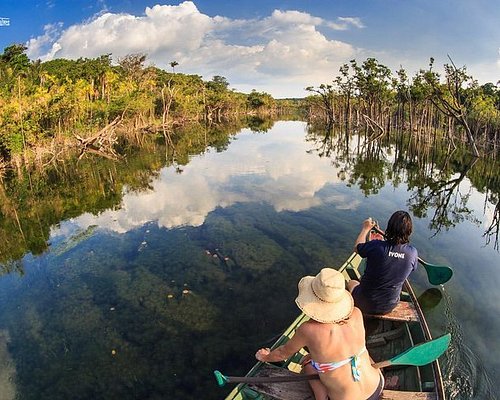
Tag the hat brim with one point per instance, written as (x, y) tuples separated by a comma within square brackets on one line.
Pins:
[(320, 310)]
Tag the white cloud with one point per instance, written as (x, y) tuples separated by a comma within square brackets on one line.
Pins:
[(281, 53), (344, 23), (37, 46), (286, 18)]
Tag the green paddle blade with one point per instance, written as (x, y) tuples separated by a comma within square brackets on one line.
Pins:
[(423, 353), (221, 379), (437, 274)]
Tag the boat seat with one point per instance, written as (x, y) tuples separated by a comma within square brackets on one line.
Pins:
[(302, 391), (400, 395), (405, 312), (381, 339)]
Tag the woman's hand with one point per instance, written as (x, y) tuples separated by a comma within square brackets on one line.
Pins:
[(306, 359), (368, 224), (262, 354)]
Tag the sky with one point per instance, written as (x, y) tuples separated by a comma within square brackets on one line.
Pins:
[(279, 47)]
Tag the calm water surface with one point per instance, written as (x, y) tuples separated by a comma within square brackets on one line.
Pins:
[(194, 273)]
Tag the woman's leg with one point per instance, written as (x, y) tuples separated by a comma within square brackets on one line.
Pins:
[(317, 387)]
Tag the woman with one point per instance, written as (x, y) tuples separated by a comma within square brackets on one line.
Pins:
[(335, 338), (388, 263)]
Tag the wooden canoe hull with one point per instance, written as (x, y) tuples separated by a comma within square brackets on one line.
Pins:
[(386, 336)]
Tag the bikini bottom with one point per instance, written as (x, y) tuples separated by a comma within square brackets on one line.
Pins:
[(378, 391)]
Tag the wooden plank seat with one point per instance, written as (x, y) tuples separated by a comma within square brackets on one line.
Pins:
[(302, 391), (400, 395), (381, 339), (405, 312)]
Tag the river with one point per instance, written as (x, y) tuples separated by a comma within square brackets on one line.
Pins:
[(143, 286)]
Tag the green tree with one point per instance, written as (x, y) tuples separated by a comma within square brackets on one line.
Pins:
[(173, 64)]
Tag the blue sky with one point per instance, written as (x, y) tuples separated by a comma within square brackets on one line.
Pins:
[(275, 46)]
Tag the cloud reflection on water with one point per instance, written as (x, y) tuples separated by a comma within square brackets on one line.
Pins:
[(274, 169)]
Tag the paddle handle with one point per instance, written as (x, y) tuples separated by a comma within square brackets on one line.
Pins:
[(382, 364), (377, 229), (223, 379), (272, 379)]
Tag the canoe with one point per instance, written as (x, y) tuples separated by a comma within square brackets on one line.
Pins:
[(387, 336)]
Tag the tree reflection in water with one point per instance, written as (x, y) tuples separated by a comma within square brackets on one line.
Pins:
[(440, 177)]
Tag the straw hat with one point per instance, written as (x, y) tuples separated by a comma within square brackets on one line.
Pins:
[(324, 298)]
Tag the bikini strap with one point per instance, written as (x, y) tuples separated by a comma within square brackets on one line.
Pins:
[(356, 373)]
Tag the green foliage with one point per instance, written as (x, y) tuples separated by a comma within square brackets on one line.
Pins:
[(43, 101), (369, 94), (257, 100), (15, 57)]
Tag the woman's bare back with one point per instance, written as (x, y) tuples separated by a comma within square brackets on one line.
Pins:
[(331, 343)]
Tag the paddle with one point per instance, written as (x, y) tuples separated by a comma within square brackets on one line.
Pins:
[(437, 274), (421, 354)]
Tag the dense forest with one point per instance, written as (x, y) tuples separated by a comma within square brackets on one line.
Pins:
[(370, 95), (46, 107), (49, 107)]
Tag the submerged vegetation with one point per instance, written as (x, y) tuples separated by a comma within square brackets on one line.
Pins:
[(151, 312)]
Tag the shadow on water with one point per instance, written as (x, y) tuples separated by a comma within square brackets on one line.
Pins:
[(430, 299), (465, 376)]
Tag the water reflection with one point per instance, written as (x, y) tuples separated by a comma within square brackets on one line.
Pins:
[(466, 376), (160, 271), (273, 169), (441, 180)]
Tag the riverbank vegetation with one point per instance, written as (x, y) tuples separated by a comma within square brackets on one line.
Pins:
[(370, 96), (90, 104)]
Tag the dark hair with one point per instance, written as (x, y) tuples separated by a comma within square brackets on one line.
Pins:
[(399, 228)]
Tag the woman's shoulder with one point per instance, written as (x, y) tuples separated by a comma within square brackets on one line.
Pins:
[(310, 325), (356, 315), (409, 248)]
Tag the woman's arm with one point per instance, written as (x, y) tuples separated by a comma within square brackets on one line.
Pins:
[(368, 224), (285, 351)]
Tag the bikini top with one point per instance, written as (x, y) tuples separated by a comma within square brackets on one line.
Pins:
[(330, 366)]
